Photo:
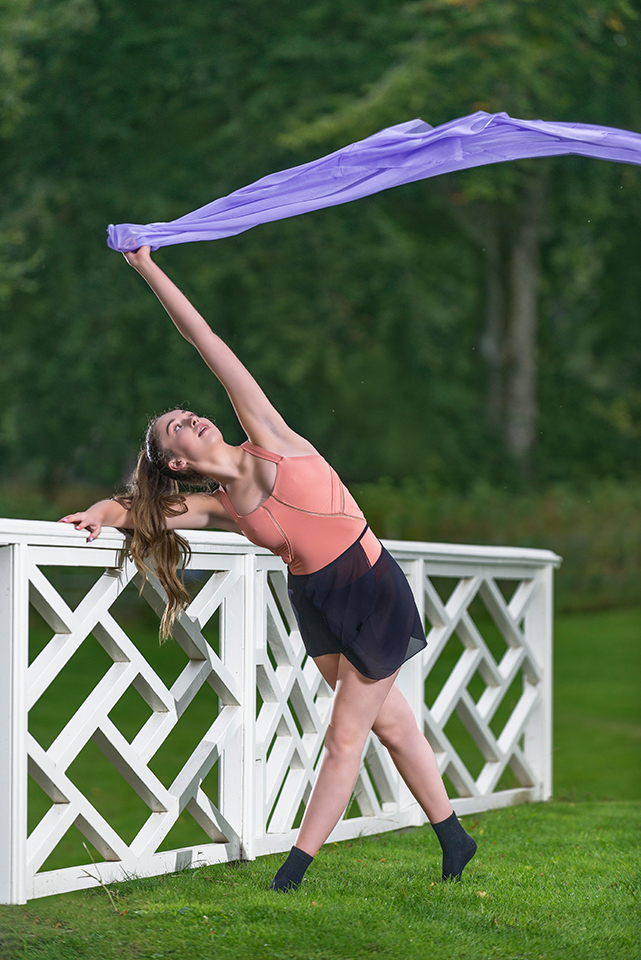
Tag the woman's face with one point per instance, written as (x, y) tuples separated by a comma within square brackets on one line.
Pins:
[(188, 437)]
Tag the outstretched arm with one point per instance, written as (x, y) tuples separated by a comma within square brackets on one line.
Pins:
[(203, 511), (258, 417)]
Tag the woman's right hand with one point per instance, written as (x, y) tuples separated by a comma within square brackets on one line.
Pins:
[(107, 513), (90, 520)]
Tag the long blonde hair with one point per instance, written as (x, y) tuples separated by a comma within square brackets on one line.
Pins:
[(152, 494)]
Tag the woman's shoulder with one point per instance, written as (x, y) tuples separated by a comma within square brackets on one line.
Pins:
[(204, 510), (282, 443)]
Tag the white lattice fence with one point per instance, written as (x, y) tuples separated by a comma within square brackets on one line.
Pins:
[(207, 747)]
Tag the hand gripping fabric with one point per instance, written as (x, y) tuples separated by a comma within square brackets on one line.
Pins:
[(401, 154)]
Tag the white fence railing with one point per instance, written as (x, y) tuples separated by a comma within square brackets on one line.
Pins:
[(482, 690)]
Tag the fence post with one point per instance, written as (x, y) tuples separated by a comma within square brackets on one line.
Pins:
[(538, 627), (14, 640), (231, 781), (248, 648)]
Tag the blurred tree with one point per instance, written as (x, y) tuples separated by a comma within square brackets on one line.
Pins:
[(361, 321), (24, 23), (530, 58), (149, 113)]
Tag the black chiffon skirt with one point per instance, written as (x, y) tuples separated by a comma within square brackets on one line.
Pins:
[(365, 612)]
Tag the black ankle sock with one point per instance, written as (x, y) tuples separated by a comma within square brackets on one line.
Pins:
[(291, 874), (457, 845)]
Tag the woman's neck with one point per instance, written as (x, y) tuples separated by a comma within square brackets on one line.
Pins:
[(226, 464)]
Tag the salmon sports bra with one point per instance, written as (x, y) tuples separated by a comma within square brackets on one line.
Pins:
[(309, 518)]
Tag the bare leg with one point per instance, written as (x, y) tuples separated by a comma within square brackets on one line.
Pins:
[(360, 705), (397, 729), (357, 702)]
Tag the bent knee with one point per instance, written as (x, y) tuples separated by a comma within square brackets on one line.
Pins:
[(342, 743), (396, 733), (391, 736)]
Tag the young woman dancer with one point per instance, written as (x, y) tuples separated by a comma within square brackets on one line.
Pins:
[(353, 604)]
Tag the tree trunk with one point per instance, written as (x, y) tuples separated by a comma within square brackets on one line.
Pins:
[(510, 238), (522, 323), (485, 225), (491, 339)]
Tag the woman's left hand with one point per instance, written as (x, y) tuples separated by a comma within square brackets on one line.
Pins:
[(139, 258)]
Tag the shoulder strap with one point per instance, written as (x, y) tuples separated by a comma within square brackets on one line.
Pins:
[(226, 502), (257, 451)]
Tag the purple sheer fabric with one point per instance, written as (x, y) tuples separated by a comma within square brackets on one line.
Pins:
[(409, 151)]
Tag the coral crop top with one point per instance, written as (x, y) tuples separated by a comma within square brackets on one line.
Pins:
[(309, 518)]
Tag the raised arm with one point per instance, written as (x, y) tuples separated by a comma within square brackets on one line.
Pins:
[(258, 417), (204, 511)]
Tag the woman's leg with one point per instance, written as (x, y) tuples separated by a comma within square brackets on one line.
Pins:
[(414, 758), (397, 729), (357, 703)]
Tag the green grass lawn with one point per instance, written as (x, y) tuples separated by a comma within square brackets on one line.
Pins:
[(551, 880), (597, 705), (556, 881)]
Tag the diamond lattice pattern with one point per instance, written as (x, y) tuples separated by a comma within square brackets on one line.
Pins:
[(240, 641), (167, 704), (518, 661)]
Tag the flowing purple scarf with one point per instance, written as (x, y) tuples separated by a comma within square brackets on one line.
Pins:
[(409, 151)]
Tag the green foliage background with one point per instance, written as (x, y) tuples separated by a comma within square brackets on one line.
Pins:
[(362, 322)]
